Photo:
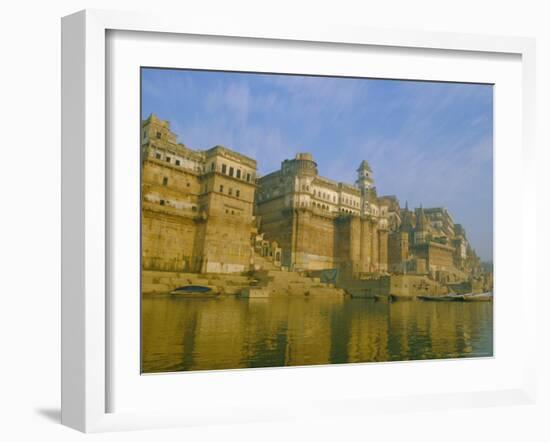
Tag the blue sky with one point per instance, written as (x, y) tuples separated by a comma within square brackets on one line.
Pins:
[(428, 143)]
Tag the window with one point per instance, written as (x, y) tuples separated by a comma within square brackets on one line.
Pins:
[(188, 184), (162, 202), (158, 135), (238, 173), (165, 181), (224, 168), (230, 191), (231, 170), (212, 166), (248, 177), (194, 208), (167, 159), (221, 188), (157, 156), (237, 193), (178, 162)]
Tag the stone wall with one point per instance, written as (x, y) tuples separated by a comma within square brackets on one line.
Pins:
[(278, 224), (398, 285), (167, 239), (438, 256), (382, 250), (311, 239), (314, 235), (398, 250), (169, 214)]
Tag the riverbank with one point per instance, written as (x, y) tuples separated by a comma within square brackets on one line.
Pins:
[(276, 282), (264, 283)]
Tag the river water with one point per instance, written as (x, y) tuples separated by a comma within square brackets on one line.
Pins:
[(184, 334)]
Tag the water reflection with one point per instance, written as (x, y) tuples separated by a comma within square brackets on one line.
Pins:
[(179, 334)]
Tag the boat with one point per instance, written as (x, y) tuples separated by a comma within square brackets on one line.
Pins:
[(478, 297), (451, 298), (395, 298), (196, 291), (467, 297)]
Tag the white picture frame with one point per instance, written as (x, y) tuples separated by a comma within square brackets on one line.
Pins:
[(86, 356)]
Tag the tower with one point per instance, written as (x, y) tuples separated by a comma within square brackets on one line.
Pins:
[(365, 183), (422, 228), (365, 180)]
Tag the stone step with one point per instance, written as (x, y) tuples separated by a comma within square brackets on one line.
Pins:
[(264, 263), (267, 266), (288, 290), (254, 292), (230, 279), (232, 290), (325, 291), (149, 288)]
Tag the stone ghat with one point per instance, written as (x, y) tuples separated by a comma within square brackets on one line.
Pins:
[(279, 282), (156, 282), (263, 283)]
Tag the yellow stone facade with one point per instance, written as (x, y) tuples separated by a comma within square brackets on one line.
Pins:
[(197, 206), (320, 223)]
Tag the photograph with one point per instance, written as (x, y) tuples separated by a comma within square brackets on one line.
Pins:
[(305, 220)]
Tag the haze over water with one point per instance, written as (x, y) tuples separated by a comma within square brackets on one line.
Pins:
[(226, 333)]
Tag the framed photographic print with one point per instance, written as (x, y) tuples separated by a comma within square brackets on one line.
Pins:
[(252, 258), (270, 223)]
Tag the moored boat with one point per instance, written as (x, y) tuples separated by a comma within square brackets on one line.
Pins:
[(395, 298), (478, 297), (450, 297), (196, 291), (468, 297)]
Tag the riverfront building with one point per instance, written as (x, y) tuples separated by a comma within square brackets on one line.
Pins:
[(206, 211), (197, 206), (320, 223), (427, 241)]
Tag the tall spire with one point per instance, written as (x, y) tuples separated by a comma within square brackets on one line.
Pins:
[(421, 220), (407, 223)]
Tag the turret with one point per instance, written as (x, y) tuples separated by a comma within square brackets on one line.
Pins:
[(422, 228), (302, 164), (365, 180), (365, 183)]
